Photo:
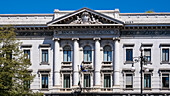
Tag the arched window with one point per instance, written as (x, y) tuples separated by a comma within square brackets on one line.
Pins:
[(67, 53), (87, 54), (107, 53)]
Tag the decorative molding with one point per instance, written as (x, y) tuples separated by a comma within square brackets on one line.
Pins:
[(88, 32), (86, 18)]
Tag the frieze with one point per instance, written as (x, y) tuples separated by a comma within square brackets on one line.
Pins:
[(154, 33), (85, 32), (34, 33)]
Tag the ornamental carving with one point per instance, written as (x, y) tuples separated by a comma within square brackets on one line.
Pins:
[(86, 18)]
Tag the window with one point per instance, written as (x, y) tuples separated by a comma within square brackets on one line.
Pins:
[(129, 55), (147, 54), (147, 80), (67, 54), (87, 54), (66, 80), (165, 80), (44, 81), (107, 53), (129, 81), (27, 53), (27, 84), (107, 80), (86, 80), (45, 56), (165, 55)]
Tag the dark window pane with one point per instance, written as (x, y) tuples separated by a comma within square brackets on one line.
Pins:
[(129, 55), (165, 80), (44, 81)]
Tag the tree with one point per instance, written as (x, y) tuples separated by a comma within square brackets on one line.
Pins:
[(150, 11), (14, 74)]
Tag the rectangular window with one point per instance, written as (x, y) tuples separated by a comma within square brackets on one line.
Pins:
[(165, 80), (44, 81), (86, 80), (27, 84), (147, 80), (66, 80), (67, 56), (147, 54), (45, 56), (27, 53), (165, 55), (129, 55), (129, 81), (87, 56), (107, 80)]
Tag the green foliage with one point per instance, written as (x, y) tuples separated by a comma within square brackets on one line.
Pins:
[(150, 11), (13, 66)]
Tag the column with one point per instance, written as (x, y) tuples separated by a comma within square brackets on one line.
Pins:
[(97, 63), (57, 65), (116, 63), (75, 62)]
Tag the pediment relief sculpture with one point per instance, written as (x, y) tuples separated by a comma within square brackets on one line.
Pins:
[(86, 18)]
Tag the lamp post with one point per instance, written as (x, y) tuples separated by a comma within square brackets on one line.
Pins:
[(142, 61), (141, 65)]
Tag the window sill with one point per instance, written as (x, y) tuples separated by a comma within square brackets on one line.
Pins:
[(149, 62), (147, 88), (164, 89), (44, 63), (128, 62), (165, 62), (86, 62), (107, 62), (65, 62), (44, 89)]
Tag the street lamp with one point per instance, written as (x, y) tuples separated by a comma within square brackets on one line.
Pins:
[(142, 60)]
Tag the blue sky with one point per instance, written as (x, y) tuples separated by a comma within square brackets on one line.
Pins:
[(48, 6)]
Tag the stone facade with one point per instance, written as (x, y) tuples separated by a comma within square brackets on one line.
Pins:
[(69, 55)]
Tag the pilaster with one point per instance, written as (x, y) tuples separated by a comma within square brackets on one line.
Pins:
[(97, 63), (57, 65), (116, 64), (75, 62)]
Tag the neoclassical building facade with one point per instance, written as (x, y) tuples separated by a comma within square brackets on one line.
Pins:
[(95, 52)]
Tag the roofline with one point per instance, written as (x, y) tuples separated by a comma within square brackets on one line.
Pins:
[(25, 14), (145, 13)]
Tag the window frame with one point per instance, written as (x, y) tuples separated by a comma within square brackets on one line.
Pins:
[(148, 56), (41, 80), (48, 49), (110, 80), (67, 54), (165, 54), (131, 73), (165, 73), (161, 54), (150, 80), (111, 58), (28, 48), (69, 81), (90, 75), (87, 54)]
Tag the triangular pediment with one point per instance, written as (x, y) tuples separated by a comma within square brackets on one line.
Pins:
[(84, 16)]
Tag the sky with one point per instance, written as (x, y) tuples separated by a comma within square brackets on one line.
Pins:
[(48, 6)]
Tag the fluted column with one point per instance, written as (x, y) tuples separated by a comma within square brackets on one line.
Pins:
[(57, 65), (116, 63), (75, 62), (97, 62)]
